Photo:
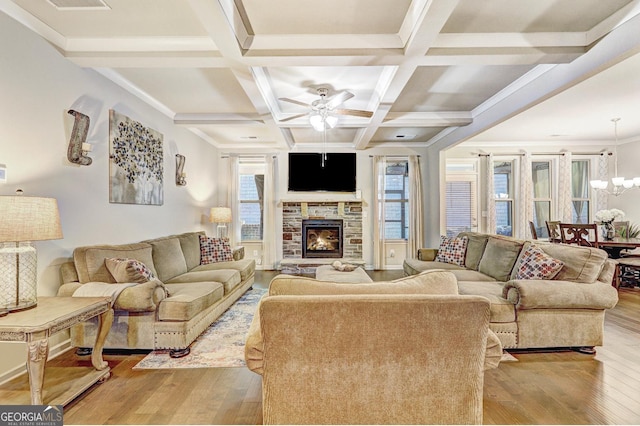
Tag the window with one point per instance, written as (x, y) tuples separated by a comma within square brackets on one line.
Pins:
[(580, 191), (541, 177), (396, 200), (503, 193), (251, 187), (461, 197)]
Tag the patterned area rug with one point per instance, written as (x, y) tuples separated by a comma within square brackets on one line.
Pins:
[(221, 345)]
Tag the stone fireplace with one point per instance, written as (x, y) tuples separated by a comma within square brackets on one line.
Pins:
[(322, 238), (296, 258)]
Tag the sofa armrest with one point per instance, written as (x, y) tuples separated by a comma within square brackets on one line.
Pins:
[(67, 289), (238, 253), (427, 254), (552, 294)]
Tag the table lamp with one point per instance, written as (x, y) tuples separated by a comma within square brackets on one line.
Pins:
[(22, 221), (221, 216)]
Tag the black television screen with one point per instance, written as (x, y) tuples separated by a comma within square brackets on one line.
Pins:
[(306, 172)]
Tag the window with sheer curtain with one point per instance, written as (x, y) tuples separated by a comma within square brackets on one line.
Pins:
[(503, 194), (251, 193), (461, 197), (396, 199), (542, 200), (580, 193)]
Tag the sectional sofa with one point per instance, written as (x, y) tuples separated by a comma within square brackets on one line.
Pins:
[(566, 310), (168, 311)]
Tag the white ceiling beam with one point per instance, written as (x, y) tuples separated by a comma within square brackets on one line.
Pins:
[(277, 42), (618, 45), (612, 22), (479, 40), (219, 119), (433, 17), (427, 119), (34, 24), (213, 19)]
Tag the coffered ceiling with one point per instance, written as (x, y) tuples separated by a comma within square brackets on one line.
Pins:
[(430, 71)]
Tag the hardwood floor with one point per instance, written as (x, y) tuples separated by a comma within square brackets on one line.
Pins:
[(541, 388)]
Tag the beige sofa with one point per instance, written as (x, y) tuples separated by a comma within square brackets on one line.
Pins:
[(566, 311), (168, 312), (410, 351)]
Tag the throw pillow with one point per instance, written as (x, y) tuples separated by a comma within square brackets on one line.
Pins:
[(537, 265), (213, 250), (125, 270), (452, 250), (344, 267)]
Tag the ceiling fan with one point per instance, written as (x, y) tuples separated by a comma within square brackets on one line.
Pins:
[(324, 110)]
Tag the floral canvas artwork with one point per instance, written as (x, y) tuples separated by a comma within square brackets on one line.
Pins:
[(135, 162)]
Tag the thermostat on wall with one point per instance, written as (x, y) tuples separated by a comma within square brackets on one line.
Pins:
[(3, 173)]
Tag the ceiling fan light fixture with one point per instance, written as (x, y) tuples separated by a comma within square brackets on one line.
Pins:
[(321, 122)]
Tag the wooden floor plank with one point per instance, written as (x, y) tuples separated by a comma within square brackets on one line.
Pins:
[(540, 388)]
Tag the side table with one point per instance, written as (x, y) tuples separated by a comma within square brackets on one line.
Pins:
[(35, 326)]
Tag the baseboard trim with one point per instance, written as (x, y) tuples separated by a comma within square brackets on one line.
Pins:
[(56, 351)]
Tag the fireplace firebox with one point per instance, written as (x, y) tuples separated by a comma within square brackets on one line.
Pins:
[(322, 238)]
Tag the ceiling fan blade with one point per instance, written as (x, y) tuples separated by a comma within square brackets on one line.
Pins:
[(293, 101), (356, 112), (338, 98), (293, 117)]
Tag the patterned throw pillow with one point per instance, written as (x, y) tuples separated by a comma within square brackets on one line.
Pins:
[(537, 265), (126, 270), (214, 250), (452, 250)]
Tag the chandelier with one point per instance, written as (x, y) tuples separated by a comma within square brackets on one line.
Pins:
[(322, 120), (620, 184)]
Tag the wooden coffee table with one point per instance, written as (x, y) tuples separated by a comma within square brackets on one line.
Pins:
[(35, 326)]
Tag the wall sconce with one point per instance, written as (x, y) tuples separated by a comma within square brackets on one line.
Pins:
[(181, 176), (78, 148)]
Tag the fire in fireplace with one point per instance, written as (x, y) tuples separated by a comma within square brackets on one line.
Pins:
[(322, 238)]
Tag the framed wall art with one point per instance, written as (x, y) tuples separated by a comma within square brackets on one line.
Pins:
[(135, 162)]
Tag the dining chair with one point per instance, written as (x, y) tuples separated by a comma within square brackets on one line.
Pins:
[(553, 227), (532, 228), (582, 234)]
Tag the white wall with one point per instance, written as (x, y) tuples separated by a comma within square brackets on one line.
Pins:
[(38, 86)]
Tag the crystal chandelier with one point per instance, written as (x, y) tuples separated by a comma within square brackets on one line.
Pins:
[(620, 184)]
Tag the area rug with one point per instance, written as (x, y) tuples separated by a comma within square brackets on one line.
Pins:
[(221, 345)]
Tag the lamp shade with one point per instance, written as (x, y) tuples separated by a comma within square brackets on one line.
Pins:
[(220, 215), (29, 219)]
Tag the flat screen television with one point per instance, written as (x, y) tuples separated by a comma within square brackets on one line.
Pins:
[(306, 172)]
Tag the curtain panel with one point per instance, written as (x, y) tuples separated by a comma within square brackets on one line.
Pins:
[(416, 229), (525, 204), (269, 213), (379, 170), (490, 198)]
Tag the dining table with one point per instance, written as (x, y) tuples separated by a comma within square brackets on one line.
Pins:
[(615, 246)]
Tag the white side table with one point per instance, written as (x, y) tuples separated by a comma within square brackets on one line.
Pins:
[(35, 326)]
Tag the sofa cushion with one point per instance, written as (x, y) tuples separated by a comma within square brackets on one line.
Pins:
[(470, 275), (229, 278), (246, 267), (452, 250), (533, 264), (429, 282), (89, 260), (502, 310), (499, 256), (475, 248), (414, 266), (213, 250), (581, 264), (190, 243), (168, 258), (189, 299), (128, 270)]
